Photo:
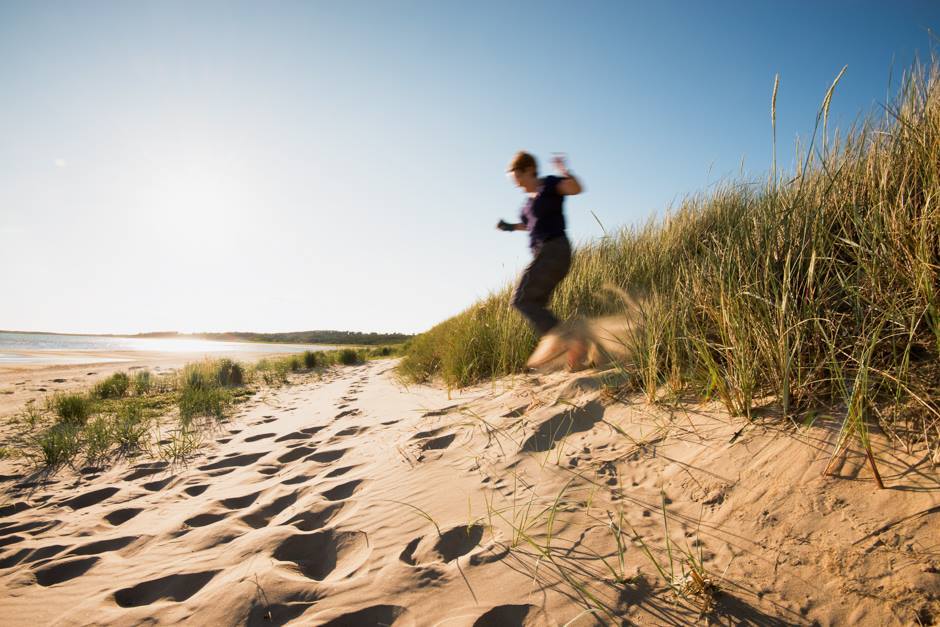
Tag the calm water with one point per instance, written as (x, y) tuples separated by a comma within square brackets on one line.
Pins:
[(11, 344)]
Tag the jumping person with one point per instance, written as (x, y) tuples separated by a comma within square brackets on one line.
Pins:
[(543, 218)]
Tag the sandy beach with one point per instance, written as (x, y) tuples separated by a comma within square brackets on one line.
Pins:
[(534, 500)]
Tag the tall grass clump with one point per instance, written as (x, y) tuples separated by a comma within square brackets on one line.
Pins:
[(73, 409), (310, 359), (203, 388), (130, 428), (819, 286), (348, 357), (115, 386), (57, 444), (143, 382)]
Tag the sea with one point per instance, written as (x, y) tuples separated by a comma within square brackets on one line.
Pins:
[(52, 348)]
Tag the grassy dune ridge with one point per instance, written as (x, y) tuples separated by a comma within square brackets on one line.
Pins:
[(819, 287)]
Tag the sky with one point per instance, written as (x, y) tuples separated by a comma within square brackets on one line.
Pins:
[(277, 166)]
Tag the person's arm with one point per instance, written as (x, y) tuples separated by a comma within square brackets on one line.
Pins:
[(568, 185), (502, 225)]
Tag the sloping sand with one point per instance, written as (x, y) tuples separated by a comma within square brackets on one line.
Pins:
[(355, 501)]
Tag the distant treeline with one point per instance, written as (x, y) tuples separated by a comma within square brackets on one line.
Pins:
[(294, 337)]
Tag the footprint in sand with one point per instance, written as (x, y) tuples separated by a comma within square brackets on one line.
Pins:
[(196, 490), (315, 517), (343, 491), (239, 502), (295, 454), (262, 515), (296, 435), (154, 486), (219, 473), (338, 472), (103, 546), (27, 556), (144, 470), (173, 588), (312, 430), (201, 520), (348, 431), (324, 555), (325, 457), (439, 443), (121, 516), (60, 571), (430, 433), (260, 436), (446, 547), (297, 479), (12, 509), (89, 498), (348, 412), (232, 462), (513, 616), (389, 615), (561, 425)]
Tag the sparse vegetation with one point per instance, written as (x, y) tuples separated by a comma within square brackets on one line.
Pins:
[(121, 414)]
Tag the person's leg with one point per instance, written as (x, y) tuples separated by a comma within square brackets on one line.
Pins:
[(538, 281)]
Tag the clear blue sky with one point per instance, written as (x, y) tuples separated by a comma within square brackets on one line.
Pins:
[(277, 166)]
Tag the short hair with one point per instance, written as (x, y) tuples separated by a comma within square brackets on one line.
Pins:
[(522, 161)]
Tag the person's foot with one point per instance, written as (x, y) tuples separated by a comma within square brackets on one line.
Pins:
[(577, 353), (550, 348)]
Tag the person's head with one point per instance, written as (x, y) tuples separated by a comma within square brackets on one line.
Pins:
[(524, 171)]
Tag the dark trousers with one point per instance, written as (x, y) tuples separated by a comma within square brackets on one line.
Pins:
[(549, 266)]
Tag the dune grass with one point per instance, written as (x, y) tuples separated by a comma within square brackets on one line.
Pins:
[(819, 287), (276, 370)]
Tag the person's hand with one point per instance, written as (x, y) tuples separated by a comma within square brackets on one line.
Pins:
[(559, 160), (502, 225)]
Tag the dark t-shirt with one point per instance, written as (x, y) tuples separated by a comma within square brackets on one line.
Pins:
[(542, 213)]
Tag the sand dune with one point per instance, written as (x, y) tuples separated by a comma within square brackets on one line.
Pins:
[(355, 501)]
